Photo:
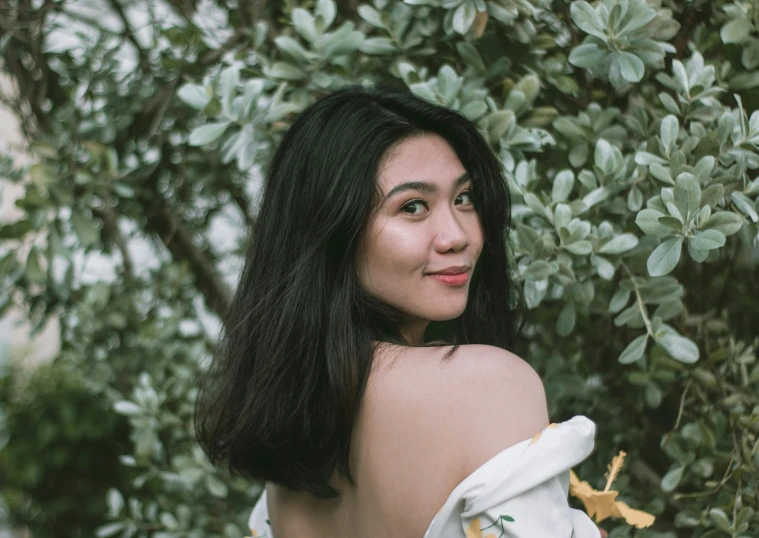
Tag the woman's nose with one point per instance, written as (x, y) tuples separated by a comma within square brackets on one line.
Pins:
[(451, 234)]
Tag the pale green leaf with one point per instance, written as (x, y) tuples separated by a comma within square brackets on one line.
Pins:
[(587, 19), (679, 348), (648, 221), (665, 257), (736, 31), (205, 134), (726, 222), (634, 350), (630, 66), (619, 244), (707, 240), (562, 186)]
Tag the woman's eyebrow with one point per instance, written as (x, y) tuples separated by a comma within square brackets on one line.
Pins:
[(424, 186)]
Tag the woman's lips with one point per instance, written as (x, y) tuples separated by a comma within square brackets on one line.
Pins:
[(451, 280)]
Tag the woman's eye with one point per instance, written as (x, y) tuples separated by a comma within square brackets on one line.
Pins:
[(469, 195), (409, 207)]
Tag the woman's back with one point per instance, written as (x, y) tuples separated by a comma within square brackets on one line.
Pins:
[(423, 426)]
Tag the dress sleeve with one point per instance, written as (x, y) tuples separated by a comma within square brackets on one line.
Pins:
[(522, 492), (258, 523)]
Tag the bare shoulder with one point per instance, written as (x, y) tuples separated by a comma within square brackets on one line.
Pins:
[(427, 422), (506, 405), (478, 402)]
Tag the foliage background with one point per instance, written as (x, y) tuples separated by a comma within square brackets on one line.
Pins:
[(627, 130)]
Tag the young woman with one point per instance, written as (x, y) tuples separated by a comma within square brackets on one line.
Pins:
[(364, 373)]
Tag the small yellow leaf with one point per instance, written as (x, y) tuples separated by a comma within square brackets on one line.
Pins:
[(537, 435), (479, 23), (602, 504)]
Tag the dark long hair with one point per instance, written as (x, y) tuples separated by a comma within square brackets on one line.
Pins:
[(279, 401)]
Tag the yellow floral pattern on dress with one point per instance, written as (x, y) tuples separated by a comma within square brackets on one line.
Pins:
[(474, 530), (254, 532)]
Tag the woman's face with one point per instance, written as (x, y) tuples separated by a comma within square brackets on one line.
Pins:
[(426, 223)]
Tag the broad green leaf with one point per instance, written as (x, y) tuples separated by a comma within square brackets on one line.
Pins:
[(128, 408), (670, 105), (34, 271), (110, 529), (595, 196), (668, 309), (229, 79), (665, 257), (736, 31), (205, 134), (619, 300), (704, 166), (370, 15), (526, 236), (669, 131), (648, 221), (652, 395), (687, 195), (569, 128), (672, 223), (578, 155), (712, 195), (619, 244), (377, 45), (216, 487), (697, 255), (469, 53), (604, 268), (84, 228), (463, 17), (634, 199), (634, 350), (661, 173), (580, 248), (325, 14), (587, 19), (630, 66), (707, 240), (295, 50), (674, 212), (671, 480), (285, 71), (562, 186), (587, 56), (303, 22), (645, 158), (474, 109), (682, 84), (745, 205), (678, 347), (562, 216), (539, 270), (195, 95), (604, 155), (726, 222), (637, 15), (565, 323)]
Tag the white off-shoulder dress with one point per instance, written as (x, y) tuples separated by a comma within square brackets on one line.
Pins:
[(521, 492)]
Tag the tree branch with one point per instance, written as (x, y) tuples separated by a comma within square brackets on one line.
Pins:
[(36, 88), (129, 33)]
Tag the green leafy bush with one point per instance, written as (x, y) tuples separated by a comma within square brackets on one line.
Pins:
[(60, 448), (629, 134)]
